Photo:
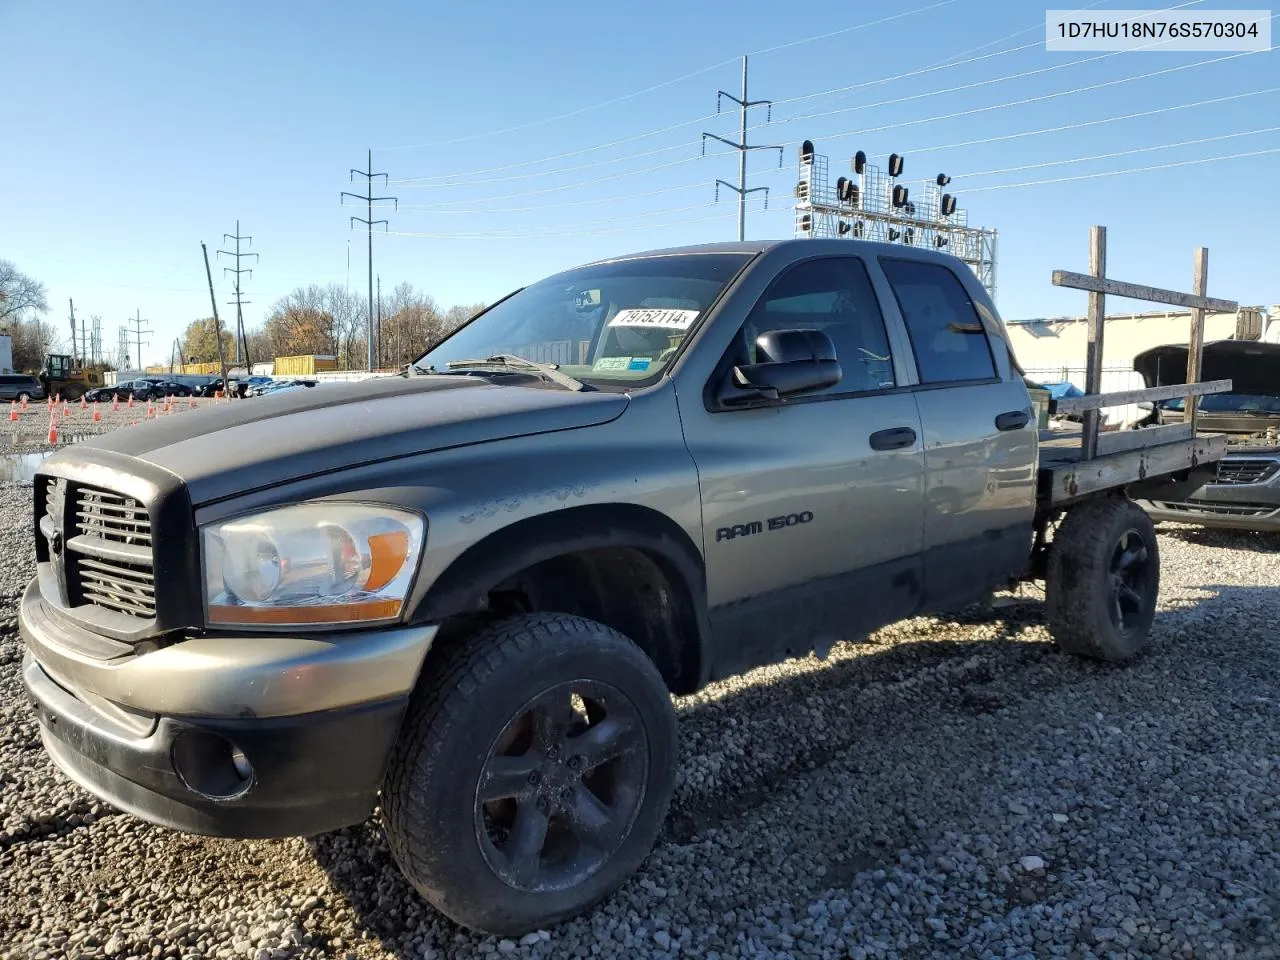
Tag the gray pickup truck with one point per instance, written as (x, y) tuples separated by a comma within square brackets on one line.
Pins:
[(467, 592)]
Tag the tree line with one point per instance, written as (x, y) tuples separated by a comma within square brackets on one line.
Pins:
[(22, 300), (332, 320), (312, 319)]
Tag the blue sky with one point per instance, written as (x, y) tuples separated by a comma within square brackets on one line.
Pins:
[(136, 130)]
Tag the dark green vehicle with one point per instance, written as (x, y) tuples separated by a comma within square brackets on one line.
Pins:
[(466, 593)]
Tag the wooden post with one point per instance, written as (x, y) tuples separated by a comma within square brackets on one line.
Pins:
[(1093, 351), (1195, 348)]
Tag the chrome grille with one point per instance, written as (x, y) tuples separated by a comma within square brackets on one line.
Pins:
[(113, 567), (1246, 471)]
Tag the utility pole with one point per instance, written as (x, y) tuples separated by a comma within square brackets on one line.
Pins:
[(217, 327), (74, 345), (379, 321), (742, 147), (137, 326), (368, 197), (240, 336)]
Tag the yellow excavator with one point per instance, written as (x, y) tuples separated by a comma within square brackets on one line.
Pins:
[(66, 376)]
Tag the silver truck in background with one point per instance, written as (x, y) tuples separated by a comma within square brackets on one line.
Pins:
[(467, 592)]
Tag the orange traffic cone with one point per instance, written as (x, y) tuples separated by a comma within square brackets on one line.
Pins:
[(97, 414), (115, 403), (130, 401), (151, 409), (191, 402), (84, 404), (53, 430), (24, 403), (13, 410)]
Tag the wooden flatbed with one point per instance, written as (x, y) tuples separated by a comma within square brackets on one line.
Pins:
[(1077, 464), (1123, 458)]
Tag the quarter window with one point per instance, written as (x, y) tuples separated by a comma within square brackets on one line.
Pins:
[(947, 335), (833, 295)]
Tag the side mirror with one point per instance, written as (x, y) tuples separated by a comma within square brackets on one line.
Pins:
[(791, 362)]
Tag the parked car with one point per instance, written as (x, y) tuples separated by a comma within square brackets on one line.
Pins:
[(211, 388), (280, 385), (466, 594), (1242, 490), (20, 386), (164, 387), (137, 389), (249, 386)]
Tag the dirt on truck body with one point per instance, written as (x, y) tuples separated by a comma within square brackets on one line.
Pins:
[(467, 592)]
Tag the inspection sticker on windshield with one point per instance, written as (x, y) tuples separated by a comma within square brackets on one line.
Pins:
[(611, 363), (670, 319)]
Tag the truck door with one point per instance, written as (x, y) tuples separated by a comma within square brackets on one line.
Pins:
[(979, 434), (811, 505)]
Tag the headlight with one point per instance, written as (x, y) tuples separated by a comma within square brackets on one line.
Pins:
[(314, 563)]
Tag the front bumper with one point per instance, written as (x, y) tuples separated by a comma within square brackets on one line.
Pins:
[(167, 735)]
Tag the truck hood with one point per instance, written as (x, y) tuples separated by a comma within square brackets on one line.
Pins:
[(1250, 365), (227, 449)]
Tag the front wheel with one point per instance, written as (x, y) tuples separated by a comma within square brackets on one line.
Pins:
[(532, 774), (1103, 580)]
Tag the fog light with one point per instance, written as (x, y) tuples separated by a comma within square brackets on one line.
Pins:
[(211, 766)]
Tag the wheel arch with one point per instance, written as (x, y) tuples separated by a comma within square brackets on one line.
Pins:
[(593, 547)]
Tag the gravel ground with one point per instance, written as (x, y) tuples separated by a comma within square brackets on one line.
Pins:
[(954, 788), (74, 422)]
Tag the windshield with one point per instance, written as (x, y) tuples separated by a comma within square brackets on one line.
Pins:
[(1231, 403), (623, 320)]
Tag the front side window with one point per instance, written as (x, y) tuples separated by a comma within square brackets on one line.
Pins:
[(619, 321), (947, 335), (833, 295)]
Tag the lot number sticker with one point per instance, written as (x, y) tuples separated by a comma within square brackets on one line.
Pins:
[(670, 319)]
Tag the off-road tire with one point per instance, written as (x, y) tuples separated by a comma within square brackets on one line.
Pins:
[(73, 394), (1079, 594), (470, 689)]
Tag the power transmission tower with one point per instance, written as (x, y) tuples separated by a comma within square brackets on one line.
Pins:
[(138, 331), (122, 348), (74, 346), (95, 340), (368, 197), (241, 339), (742, 147)]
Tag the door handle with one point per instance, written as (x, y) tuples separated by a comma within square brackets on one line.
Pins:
[(1013, 420), (895, 438)]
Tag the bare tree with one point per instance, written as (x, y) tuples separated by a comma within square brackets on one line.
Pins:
[(19, 294)]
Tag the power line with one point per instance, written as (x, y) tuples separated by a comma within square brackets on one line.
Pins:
[(1120, 173), (1119, 153), (369, 176), (612, 101), (539, 234), (1092, 123), (742, 147), (240, 338), (456, 178), (1036, 99), (990, 81)]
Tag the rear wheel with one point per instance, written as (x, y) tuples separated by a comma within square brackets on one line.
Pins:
[(532, 774), (73, 393), (1103, 580)]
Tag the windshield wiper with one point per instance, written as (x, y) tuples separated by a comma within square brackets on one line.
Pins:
[(510, 360)]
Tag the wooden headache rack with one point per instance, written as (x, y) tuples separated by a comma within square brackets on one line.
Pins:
[(1099, 461)]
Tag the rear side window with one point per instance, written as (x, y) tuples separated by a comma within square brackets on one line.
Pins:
[(947, 336)]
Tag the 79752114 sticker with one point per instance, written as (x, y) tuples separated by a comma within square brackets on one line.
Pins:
[(667, 319)]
